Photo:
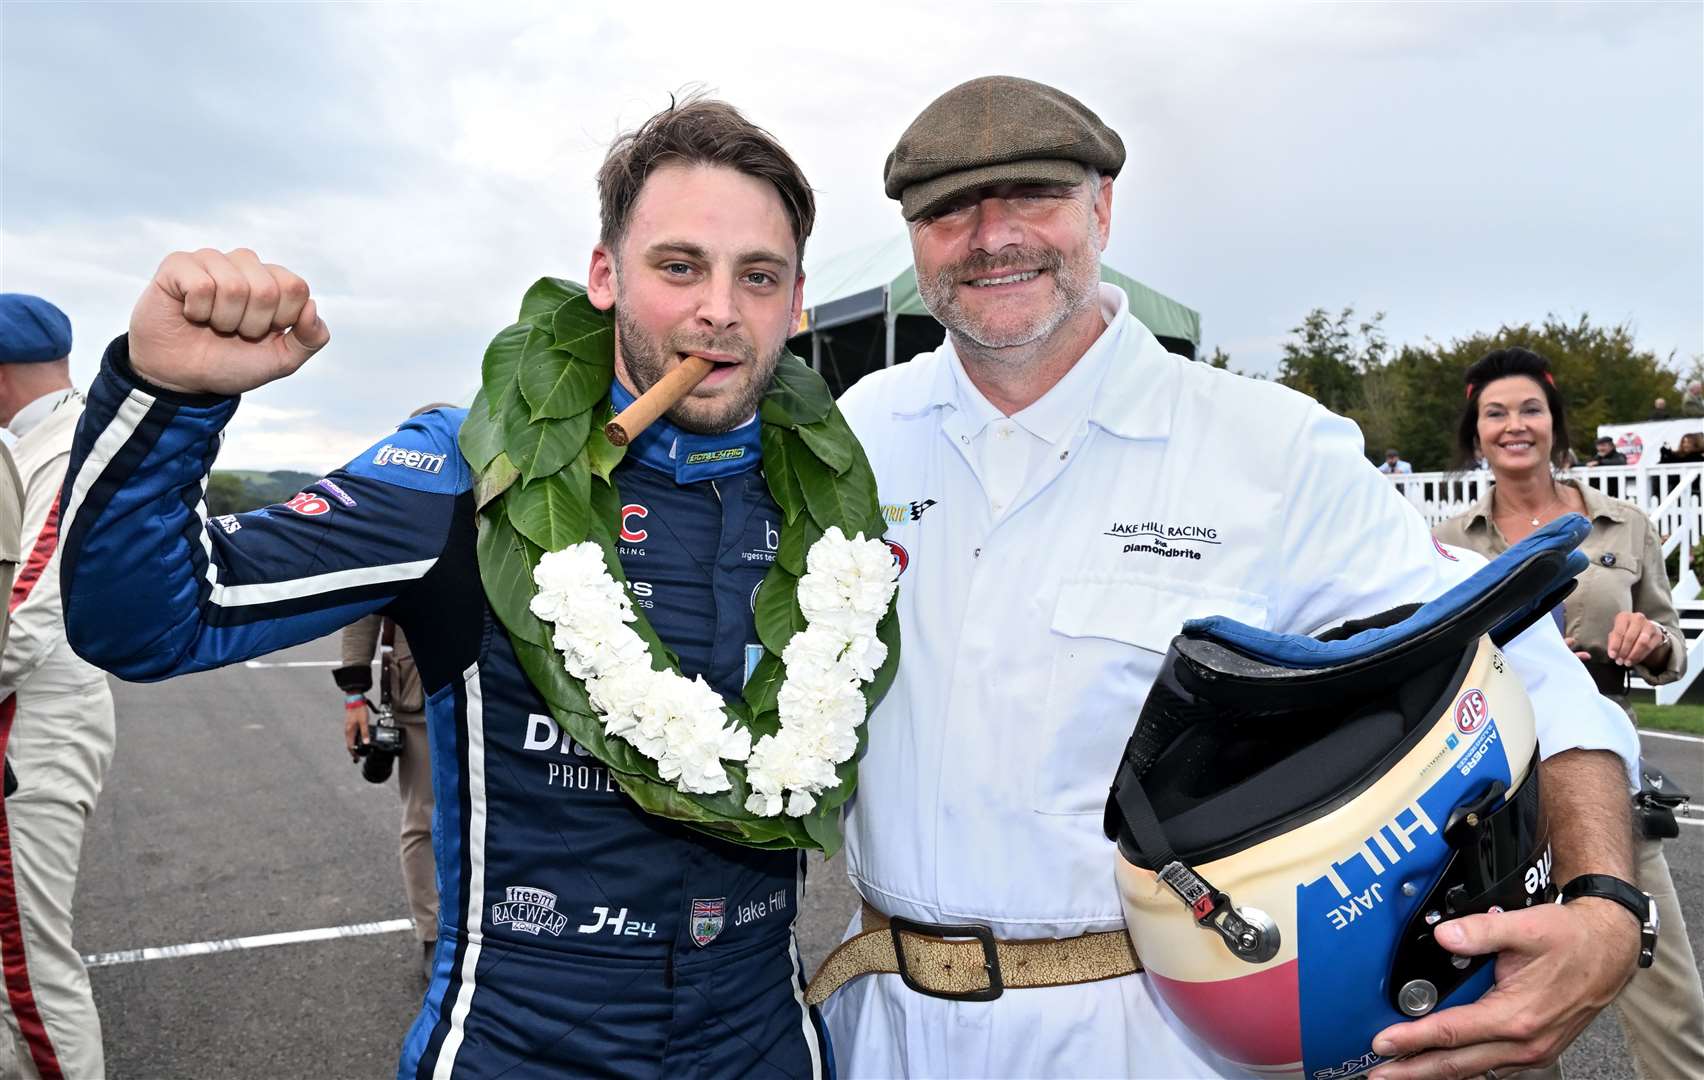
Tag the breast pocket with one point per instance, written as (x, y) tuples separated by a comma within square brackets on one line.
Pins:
[(1108, 637)]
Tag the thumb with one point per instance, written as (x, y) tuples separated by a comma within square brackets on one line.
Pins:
[(308, 336), (1477, 935)]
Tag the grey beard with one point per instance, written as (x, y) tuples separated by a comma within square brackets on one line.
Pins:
[(1071, 292)]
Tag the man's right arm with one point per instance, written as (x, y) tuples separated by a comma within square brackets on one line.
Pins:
[(154, 588)]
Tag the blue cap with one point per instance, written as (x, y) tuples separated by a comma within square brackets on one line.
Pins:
[(32, 330)]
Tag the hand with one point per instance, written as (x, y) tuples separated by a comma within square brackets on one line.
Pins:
[(355, 720), (1579, 652), (222, 323), (1634, 638), (1557, 966)]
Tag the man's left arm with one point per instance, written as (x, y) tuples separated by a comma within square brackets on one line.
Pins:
[(1372, 552), (1558, 965)]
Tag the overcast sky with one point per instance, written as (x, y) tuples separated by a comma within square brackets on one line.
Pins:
[(1458, 166)]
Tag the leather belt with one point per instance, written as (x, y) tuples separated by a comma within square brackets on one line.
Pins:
[(1611, 679), (966, 962)]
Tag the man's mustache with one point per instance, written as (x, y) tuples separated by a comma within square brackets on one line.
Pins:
[(728, 346), (1007, 262)]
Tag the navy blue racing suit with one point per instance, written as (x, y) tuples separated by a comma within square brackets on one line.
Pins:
[(578, 936)]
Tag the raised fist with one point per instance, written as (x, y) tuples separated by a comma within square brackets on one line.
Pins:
[(222, 323)]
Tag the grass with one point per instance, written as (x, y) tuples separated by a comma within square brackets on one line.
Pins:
[(1683, 718)]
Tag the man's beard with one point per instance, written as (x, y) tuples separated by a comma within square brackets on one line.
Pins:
[(1071, 291), (646, 362)]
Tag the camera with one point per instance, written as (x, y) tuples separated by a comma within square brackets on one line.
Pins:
[(1657, 803), (377, 753)]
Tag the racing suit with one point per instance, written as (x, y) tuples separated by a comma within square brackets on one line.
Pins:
[(578, 935)]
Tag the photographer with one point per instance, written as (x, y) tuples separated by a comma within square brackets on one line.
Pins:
[(402, 697)]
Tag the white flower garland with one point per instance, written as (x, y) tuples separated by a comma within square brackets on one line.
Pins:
[(680, 723)]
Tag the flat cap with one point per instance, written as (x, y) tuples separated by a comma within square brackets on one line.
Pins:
[(32, 330), (996, 130)]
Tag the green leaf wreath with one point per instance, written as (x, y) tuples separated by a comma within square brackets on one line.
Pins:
[(535, 440)]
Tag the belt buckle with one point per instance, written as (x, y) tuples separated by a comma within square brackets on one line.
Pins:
[(990, 956)]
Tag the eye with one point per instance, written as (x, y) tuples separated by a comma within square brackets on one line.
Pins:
[(677, 269), (952, 212), (760, 278)]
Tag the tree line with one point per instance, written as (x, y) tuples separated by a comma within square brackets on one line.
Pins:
[(1410, 397), (234, 491)]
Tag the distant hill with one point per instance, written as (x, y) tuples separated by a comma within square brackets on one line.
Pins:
[(232, 491)]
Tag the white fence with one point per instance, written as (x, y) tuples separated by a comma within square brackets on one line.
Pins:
[(1672, 495)]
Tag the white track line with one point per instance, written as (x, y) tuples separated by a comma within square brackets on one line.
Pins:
[(1670, 735), (259, 941), (293, 663), (1689, 820)]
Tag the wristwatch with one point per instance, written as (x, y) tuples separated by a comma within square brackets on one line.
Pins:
[(1605, 887)]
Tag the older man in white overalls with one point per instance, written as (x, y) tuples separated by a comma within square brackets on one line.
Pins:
[(1083, 492)]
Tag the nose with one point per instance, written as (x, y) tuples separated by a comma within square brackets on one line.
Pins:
[(996, 226), (718, 309)]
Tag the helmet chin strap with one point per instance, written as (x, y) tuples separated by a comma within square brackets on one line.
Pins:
[(1249, 933)]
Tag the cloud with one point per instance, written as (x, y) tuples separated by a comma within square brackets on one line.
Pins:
[(1457, 166)]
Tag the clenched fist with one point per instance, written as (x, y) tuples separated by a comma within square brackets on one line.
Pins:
[(222, 323)]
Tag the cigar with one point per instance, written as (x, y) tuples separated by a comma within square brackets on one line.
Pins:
[(657, 400)]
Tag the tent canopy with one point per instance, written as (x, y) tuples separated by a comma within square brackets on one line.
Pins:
[(878, 279)]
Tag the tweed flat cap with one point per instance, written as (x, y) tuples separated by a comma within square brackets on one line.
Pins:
[(996, 130), (32, 330)]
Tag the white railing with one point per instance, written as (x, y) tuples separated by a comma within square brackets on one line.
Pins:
[(1441, 495), (1671, 495)]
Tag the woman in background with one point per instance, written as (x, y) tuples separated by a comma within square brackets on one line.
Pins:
[(1621, 618)]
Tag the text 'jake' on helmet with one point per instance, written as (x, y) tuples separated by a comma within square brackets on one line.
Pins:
[(1295, 815)]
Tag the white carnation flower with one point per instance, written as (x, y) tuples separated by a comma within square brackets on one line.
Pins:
[(682, 724)]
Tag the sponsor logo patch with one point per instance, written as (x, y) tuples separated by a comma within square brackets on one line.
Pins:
[(1159, 530), (707, 919), (527, 910), (308, 505), (618, 924), (229, 523), (901, 557), (706, 457), (629, 532), (1352, 1067), (896, 513), (418, 460), (336, 492), (1470, 761), (1471, 712), (1444, 551), (1538, 874)]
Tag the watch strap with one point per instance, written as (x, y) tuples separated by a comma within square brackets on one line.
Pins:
[(1629, 896)]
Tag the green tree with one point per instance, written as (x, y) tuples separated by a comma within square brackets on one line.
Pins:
[(226, 494), (1328, 357), (1602, 374)]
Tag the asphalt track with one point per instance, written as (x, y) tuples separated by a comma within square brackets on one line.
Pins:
[(232, 812)]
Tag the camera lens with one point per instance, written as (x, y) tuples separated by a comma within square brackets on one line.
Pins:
[(376, 766)]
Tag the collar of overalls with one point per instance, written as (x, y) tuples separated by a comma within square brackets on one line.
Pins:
[(687, 457)]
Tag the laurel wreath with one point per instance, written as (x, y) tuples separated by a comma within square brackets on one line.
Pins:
[(535, 440)]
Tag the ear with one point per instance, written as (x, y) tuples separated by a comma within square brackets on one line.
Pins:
[(1103, 210), (601, 279), (798, 301)]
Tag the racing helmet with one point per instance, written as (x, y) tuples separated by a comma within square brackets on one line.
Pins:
[(1294, 815)]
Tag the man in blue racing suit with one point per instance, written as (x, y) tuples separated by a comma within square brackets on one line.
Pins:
[(579, 936)]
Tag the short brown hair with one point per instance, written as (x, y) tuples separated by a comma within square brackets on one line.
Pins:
[(699, 131)]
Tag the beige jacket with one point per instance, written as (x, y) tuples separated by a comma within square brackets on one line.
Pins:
[(1626, 574), (360, 642), (36, 652), (11, 528)]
